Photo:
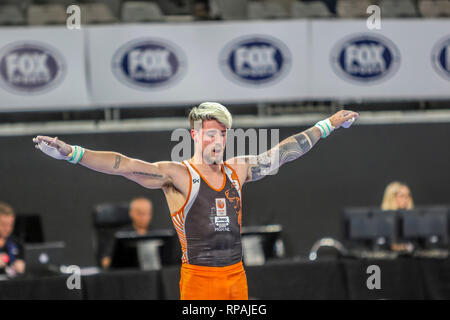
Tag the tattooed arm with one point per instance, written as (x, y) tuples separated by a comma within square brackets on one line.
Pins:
[(150, 175), (289, 149)]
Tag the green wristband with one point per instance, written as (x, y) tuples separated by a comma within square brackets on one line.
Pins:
[(77, 154)]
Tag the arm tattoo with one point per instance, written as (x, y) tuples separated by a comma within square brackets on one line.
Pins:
[(287, 150), (117, 163), (153, 175)]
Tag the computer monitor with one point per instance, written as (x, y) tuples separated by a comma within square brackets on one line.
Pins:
[(371, 227), (43, 258), (262, 243), (151, 251), (427, 226)]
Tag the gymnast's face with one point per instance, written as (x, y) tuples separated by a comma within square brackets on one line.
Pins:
[(212, 139)]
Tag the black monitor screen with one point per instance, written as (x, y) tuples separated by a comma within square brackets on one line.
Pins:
[(126, 248), (423, 223), (370, 224)]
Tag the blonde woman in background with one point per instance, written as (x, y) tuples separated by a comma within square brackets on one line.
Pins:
[(397, 196)]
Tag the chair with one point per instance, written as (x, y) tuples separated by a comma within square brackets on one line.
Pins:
[(93, 13), (256, 10), (133, 11), (275, 10), (108, 218), (352, 8), (315, 9), (46, 14), (22, 4), (28, 228), (232, 9), (398, 9), (266, 9), (174, 7), (434, 8), (11, 15)]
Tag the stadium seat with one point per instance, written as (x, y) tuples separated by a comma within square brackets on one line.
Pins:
[(11, 15), (266, 10), (46, 14), (133, 11), (256, 10), (174, 7), (107, 219), (275, 10), (22, 4), (231, 9), (114, 6), (352, 8), (93, 13), (398, 9), (434, 8), (179, 18), (314, 9)]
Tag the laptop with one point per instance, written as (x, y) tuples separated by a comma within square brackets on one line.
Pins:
[(43, 257)]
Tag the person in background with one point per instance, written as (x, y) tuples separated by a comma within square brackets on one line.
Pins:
[(11, 253), (141, 213), (397, 196)]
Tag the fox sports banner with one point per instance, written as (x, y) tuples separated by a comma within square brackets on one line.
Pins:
[(42, 68), (231, 62), (161, 64), (405, 59)]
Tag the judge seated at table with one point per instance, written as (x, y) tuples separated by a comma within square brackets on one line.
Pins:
[(397, 196), (141, 213)]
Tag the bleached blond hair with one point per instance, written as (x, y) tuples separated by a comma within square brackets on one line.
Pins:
[(210, 111), (389, 202)]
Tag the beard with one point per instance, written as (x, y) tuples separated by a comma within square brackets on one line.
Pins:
[(212, 158)]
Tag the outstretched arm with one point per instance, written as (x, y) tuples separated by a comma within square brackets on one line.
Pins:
[(150, 175), (289, 149), (258, 166)]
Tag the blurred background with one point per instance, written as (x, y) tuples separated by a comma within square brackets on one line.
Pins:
[(129, 75)]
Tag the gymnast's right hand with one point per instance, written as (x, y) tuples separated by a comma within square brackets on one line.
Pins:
[(53, 147)]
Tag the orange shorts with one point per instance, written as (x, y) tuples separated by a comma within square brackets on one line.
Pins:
[(213, 283)]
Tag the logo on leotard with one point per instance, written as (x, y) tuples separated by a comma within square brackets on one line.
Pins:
[(222, 223), (221, 220), (440, 58), (233, 196), (365, 59), (221, 207)]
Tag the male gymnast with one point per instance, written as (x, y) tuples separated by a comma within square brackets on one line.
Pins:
[(204, 193)]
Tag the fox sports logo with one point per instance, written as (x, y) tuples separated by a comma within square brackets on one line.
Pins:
[(148, 63), (255, 60), (30, 68), (365, 59), (441, 58)]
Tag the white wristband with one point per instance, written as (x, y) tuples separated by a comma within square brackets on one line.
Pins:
[(76, 154), (325, 127)]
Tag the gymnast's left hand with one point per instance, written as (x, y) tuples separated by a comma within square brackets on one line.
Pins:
[(342, 116)]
